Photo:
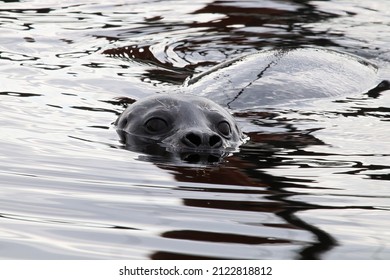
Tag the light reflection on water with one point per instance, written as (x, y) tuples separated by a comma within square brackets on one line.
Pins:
[(70, 190)]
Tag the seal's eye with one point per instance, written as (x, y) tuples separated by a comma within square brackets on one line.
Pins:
[(156, 125), (224, 128)]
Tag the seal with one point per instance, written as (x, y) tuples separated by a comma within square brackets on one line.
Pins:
[(194, 119), (179, 123)]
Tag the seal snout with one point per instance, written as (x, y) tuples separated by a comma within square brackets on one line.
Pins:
[(196, 139)]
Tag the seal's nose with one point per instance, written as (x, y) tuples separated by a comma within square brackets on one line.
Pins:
[(202, 140)]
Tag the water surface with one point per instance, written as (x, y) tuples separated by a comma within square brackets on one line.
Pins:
[(312, 183)]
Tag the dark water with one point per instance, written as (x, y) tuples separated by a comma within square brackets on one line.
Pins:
[(311, 182)]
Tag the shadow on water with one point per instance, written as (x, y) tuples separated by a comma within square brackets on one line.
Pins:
[(244, 169)]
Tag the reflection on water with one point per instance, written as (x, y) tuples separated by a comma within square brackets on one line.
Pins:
[(312, 183)]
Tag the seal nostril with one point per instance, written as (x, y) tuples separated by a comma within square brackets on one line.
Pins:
[(215, 141), (192, 139)]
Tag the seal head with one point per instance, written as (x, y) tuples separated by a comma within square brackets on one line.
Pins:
[(180, 124)]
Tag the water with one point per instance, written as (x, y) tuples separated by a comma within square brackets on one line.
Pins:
[(312, 182)]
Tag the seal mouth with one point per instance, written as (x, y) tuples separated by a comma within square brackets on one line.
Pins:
[(220, 150), (200, 155), (201, 158)]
